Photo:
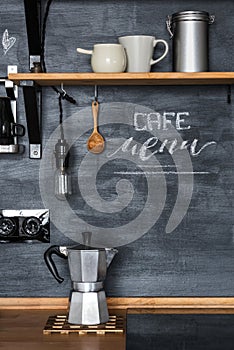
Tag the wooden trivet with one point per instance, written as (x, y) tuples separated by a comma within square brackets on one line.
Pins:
[(59, 324)]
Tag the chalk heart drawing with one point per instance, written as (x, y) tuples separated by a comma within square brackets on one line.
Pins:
[(7, 42), (68, 220)]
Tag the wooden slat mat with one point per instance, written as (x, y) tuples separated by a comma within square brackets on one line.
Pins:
[(59, 324)]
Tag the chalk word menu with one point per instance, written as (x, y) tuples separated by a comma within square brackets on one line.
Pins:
[(162, 123)]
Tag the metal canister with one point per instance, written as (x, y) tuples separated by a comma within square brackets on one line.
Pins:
[(190, 33)]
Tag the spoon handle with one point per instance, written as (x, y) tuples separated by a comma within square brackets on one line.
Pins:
[(95, 114)]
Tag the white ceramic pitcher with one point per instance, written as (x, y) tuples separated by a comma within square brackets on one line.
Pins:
[(107, 58)]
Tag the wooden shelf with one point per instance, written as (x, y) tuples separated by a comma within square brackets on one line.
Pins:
[(161, 78)]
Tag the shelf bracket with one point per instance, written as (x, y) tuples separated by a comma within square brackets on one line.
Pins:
[(32, 93), (32, 102), (32, 10)]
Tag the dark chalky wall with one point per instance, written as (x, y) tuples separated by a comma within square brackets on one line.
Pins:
[(195, 257)]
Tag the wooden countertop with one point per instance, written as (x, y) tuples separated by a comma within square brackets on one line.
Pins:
[(23, 329), (22, 320)]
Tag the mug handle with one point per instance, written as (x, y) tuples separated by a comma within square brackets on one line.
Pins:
[(156, 41), (87, 52), (18, 129)]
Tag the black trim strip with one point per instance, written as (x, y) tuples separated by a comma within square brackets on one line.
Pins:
[(32, 114), (33, 27)]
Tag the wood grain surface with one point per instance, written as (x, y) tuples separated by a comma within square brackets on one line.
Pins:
[(131, 305), (24, 329), (163, 78)]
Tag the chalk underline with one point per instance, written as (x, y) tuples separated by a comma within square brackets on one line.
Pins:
[(161, 172), (158, 166)]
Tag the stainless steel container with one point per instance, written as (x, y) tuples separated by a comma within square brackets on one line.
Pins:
[(190, 34)]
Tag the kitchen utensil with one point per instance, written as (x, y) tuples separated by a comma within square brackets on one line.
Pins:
[(139, 50), (8, 128), (95, 143), (189, 31), (88, 267), (106, 58)]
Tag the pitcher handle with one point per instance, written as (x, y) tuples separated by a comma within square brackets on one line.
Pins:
[(165, 52), (54, 249), (86, 52)]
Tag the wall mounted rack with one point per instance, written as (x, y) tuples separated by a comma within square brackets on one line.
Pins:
[(32, 83), (159, 78)]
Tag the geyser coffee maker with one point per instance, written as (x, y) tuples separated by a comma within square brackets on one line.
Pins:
[(88, 267)]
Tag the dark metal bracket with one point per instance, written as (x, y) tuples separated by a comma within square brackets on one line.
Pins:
[(32, 93), (32, 102), (33, 18)]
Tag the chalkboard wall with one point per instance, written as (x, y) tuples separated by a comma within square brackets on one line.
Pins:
[(196, 258)]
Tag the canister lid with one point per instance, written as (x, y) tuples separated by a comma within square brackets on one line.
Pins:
[(190, 16)]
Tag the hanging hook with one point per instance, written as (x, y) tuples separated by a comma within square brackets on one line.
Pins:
[(96, 93), (63, 93)]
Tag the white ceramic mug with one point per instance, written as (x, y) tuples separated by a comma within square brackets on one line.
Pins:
[(107, 58), (139, 50)]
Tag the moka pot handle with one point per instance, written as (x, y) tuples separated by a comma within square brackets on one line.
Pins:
[(61, 252)]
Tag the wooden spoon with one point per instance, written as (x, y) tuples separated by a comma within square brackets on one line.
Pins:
[(95, 143)]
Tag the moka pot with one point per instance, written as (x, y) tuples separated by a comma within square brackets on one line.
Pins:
[(88, 269)]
